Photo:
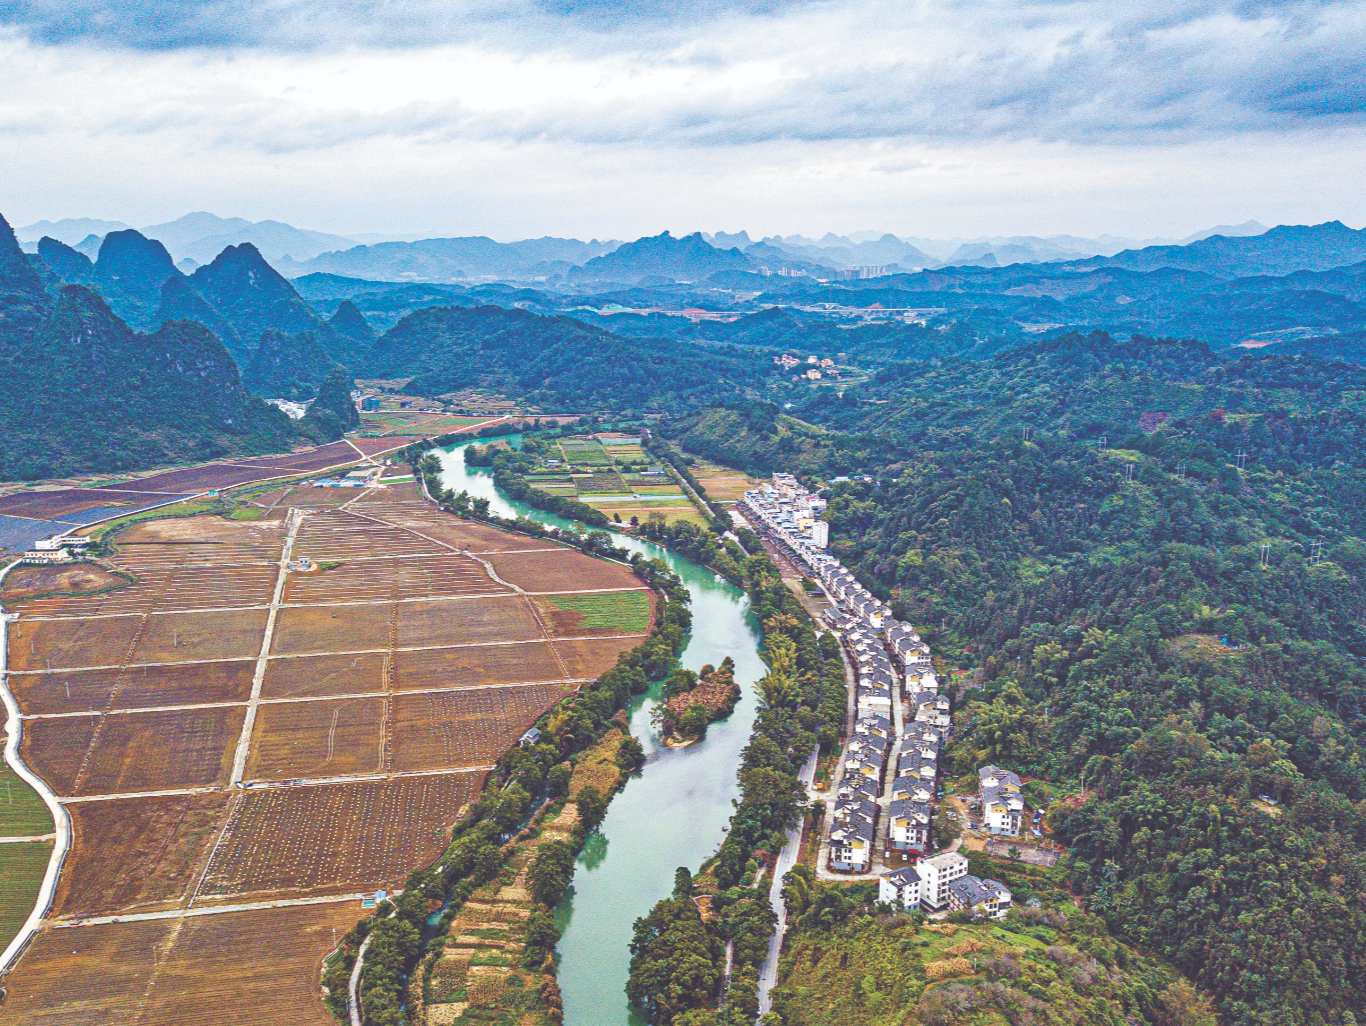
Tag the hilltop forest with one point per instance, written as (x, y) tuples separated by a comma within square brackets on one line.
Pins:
[(1153, 555)]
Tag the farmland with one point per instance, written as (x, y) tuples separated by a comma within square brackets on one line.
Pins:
[(227, 724), (614, 474)]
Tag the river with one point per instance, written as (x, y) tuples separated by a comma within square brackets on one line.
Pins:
[(670, 814)]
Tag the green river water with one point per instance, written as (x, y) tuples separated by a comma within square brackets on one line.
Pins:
[(672, 813)]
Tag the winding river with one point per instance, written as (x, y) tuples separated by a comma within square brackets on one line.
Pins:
[(672, 813)]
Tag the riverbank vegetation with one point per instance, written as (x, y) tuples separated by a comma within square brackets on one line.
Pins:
[(693, 700), (675, 976)]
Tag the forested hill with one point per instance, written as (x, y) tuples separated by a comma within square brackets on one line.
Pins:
[(558, 362), (81, 391), (1178, 634)]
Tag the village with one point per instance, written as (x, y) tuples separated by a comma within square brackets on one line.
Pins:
[(886, 788)]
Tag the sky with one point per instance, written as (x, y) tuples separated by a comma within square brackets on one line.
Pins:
[(618, 119)]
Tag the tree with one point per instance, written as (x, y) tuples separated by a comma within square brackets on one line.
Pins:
[(551, 869), (630, 753), (592, 807)]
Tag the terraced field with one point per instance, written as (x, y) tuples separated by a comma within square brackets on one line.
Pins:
[(228, 726)]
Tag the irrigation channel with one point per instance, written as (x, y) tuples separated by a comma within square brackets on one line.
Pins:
[(673, 813)]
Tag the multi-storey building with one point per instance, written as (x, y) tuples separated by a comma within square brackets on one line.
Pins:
[(936, 873)]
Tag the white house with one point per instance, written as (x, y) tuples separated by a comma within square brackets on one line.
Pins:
[(908, 824), (986, 897), (936, 873), (900, 887), (1002, 803)]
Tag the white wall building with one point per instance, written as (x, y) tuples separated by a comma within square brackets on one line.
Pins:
[(936, 873)]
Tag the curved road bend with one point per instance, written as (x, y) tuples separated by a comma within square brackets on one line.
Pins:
[(62, 841)]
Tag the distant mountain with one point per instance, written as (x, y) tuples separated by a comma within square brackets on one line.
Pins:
[(1247, 228), (81, 391), (690, 258), (70, 230), (201, 236), (451, 260), (1282, 250), (886, 251), (253, 297)]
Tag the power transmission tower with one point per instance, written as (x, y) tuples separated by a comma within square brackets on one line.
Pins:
[(1242, 460), (1103, 439), (1128, 473), (1266, 552), (1315, 553), (1181, 471)]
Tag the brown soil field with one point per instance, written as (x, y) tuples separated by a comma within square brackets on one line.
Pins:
[(590, 658), (201, 971), (26, 583), (187, 637), (367, 579), (475, 666), (141, 686), (330, 455), (356, 628), (320, 676), (153, 751), (342, 536), (197, 479), (186, 541), (462, 534), (565, 570), (375, 446), (137, 854), (165, 589), (59, 502), (465, 728), (54, 749), (466, 621), (62, 643), (398, 492), (331, 837), (317, 739)]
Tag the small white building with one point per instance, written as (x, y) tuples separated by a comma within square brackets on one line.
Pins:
[(985, 897), (936, 873), (900, 887), (1002, 802)]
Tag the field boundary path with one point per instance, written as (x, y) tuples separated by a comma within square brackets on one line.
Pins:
[(14, 726), (239, 759)]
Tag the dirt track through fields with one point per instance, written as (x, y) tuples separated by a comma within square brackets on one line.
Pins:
[(316, 735)]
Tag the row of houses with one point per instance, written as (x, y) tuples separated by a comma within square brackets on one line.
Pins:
[(890, 661), (942, 883)]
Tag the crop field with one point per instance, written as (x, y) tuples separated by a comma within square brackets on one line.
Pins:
[(476, 666), (468, 621), (201, 971), (132, 688), (722, 484), (376, 446), (321, 676), (362, 580), (318, 739), (547, 570), (329, 837), (395, 672), (613, 612), (22, 866), (465, 728), (22, 812), (590, 658), (137, 854)]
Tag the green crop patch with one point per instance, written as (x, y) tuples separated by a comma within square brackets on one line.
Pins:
[(22, 812), (21, 872), (626, 611)]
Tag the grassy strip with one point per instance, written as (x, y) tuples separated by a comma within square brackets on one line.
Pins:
[(21, 872), (627, 611), (22, 810)]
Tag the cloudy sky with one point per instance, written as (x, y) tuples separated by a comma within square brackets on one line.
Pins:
[(618, 118)]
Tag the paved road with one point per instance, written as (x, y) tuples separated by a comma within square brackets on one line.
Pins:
[(787, 858), (203, 910)]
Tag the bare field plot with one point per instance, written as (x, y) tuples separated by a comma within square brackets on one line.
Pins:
[(320, 676), (590, 658), (466, 621), (562, 570), (152, 751), (328, 539), (138, 687), (366, 579), (300, 629), (305, 495), (55, 749), (137, 853), (22, 866), (188, 637), (465, 728), (475, 666), (330, 455), (330, 837), (184, 541), (41, 644), (207, 971), (318, 739), (27, 585), (466, 534), (375, 446), (165, 589), (607, 612), (197, 479)]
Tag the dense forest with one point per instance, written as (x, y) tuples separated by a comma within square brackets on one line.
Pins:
[(1154, 559)]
